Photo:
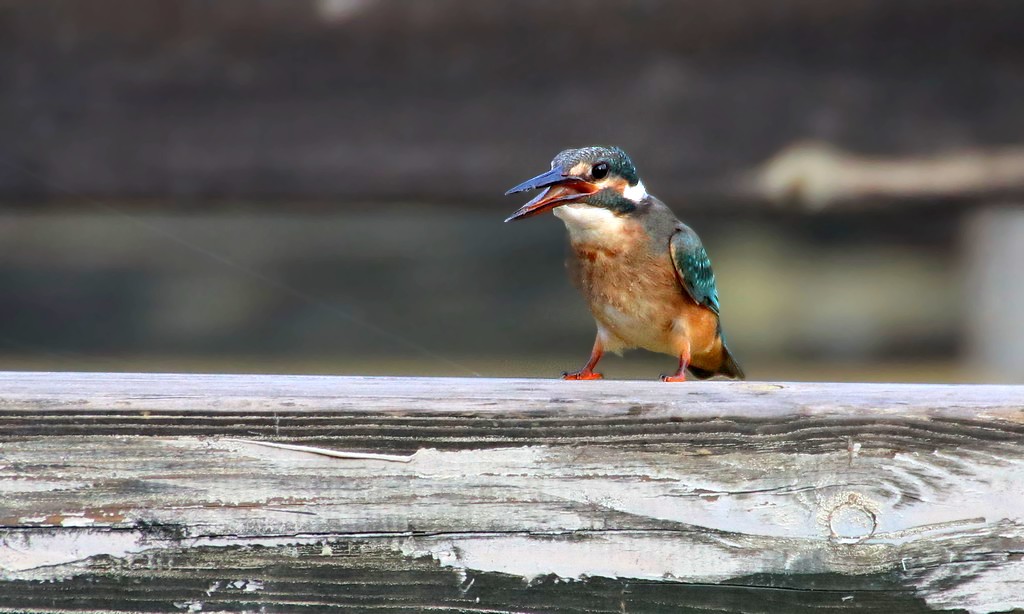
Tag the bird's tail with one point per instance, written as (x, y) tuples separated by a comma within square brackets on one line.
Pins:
[(729, 367)]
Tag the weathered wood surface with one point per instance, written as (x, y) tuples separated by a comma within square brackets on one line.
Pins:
[(124, 491)]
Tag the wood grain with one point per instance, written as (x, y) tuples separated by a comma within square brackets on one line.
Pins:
[(911, 491)]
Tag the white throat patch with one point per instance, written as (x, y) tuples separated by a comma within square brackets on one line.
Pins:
[(586, 224), (635, 193)]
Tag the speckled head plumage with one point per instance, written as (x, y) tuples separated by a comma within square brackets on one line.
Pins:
[(597, 176), (617, 161)]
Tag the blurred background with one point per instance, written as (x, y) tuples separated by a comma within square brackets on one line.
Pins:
[(315, 186)]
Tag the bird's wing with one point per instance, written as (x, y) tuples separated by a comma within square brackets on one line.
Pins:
[(693, 267)]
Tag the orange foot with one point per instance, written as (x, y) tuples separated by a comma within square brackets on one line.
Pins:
[(673, 378), (580, 375)]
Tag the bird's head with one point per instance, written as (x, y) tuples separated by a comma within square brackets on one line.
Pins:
[(595, 176)]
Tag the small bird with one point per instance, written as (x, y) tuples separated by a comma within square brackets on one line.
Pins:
[(644, 274)]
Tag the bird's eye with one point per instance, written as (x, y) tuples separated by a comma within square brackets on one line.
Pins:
[(600, 170)]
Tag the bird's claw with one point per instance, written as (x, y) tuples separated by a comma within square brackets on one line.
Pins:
[(673, 378), (581, 375)]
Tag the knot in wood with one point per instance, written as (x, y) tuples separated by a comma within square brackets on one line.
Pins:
[(851, 518)]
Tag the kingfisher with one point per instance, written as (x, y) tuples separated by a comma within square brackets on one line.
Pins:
[(644, 274)]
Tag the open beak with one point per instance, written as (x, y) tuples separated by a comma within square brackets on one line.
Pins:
[(558, 189)]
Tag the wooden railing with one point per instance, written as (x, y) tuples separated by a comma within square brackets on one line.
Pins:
[(183, 492)]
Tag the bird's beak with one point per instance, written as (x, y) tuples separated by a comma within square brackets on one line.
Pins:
[(558, 189)]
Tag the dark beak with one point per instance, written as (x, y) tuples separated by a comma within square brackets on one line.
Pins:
[(558, 188), (540, 181)]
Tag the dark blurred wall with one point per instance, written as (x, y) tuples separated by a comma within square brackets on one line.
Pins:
[(455, 100), (317, 184)]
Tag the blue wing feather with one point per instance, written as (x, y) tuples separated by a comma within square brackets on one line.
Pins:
[(693, 267)]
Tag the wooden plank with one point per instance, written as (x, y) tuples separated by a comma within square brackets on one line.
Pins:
[(356, 576), (261, 394), (910, 491)]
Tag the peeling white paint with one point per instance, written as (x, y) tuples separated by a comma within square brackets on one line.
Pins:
[(460, 463), (643, 557), (12, 486), (76, 520), (979, 588), (394, 458), (248, 586), (21, 552)]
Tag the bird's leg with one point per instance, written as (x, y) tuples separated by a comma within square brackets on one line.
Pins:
[(587, 372), (684, 361)]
